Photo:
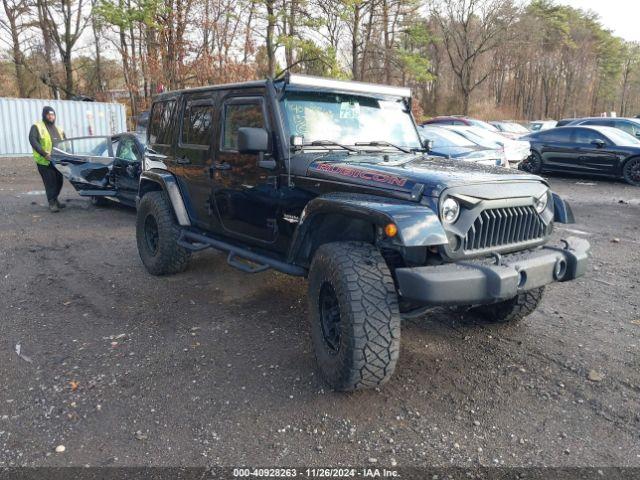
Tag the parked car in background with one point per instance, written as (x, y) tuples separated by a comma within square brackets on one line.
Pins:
[(448, 144), (537, 125), (460, 121), (629, 125), (514, 150), (511, 130), (564, 122), (103, 168), (593, 150)]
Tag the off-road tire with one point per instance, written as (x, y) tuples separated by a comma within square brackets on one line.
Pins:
[(631, 171), (369, 321), (512, 310), (99, 201), (167, 257), (533, 164)]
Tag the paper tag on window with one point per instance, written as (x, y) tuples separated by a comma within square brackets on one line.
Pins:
[(349, 110)]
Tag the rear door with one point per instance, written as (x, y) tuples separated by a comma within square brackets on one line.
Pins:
[(194, 153), (87, 163), (556, 148)]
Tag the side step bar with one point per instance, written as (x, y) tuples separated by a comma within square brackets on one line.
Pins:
[(197, 242)]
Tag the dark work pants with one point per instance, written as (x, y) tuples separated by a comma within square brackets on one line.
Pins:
[(52, 180)]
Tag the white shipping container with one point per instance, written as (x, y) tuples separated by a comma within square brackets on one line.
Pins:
[(76, 118)]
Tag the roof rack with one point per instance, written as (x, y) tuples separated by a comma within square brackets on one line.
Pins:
[(345, 85)]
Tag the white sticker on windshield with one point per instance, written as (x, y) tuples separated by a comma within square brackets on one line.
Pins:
[(349, 110)]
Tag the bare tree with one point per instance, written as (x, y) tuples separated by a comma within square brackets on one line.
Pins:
[(66, 21), (16, 11), (469, 30)]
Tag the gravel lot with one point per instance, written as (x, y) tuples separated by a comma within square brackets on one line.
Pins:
[(214, 367)]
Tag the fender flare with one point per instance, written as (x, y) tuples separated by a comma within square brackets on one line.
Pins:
[(562, 212), (418, 225), (169, 186)]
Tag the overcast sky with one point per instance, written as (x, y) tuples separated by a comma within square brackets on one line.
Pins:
[(620, 16)]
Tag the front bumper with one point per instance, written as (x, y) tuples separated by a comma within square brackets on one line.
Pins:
[(472, 283)]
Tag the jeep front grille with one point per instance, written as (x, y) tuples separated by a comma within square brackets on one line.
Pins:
[(500, 227)]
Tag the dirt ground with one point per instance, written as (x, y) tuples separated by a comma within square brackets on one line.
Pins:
[(214, 367)]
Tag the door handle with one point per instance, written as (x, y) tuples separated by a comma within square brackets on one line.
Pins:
[(183, 160), (222, 166)]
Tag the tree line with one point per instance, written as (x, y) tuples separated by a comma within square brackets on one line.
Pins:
[(489, 58)]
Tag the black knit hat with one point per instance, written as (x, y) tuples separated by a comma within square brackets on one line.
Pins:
[(46, 110)]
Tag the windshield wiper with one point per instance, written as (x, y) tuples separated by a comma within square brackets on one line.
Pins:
[(382, 143), (327, 143)]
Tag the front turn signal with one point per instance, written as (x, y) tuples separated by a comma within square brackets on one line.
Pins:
[(391, 230)]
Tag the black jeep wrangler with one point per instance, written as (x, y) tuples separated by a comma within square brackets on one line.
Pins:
[(329, 180)]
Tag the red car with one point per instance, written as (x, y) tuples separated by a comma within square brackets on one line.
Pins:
[(458, 120)]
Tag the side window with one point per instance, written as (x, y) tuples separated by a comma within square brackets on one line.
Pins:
[(586, 136), (127, 150), (560, 135), (160, 123), (626, 126), (197, 123), (237, 115), (154, 122)]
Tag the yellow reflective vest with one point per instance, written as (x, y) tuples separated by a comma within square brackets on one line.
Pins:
[(45, 142)]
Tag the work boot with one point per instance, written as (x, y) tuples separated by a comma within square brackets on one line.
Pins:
[(60, 205), (53, 207)]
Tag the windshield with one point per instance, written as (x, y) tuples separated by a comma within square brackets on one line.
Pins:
[(619, 137), (481, 137), (513, 128), (349, 119), (445, 138)]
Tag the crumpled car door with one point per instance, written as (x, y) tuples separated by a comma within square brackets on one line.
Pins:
[(87, 163)]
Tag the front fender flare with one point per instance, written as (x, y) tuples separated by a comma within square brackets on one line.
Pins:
[(169, 185), (418, 225), (562, 212)]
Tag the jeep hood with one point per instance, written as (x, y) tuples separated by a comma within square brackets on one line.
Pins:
[(403, 172)]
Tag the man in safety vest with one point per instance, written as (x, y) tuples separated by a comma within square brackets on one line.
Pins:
[(42, 136)]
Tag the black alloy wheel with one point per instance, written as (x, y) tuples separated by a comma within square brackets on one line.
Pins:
[(330, 318), (151, 234)]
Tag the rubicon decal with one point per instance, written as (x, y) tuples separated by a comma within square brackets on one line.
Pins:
[(368, 175)]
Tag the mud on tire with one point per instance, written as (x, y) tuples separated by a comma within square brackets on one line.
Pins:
[(512, 310), (355, 323), (157, 235)]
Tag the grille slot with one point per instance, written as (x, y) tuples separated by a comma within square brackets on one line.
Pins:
[(498, 227)]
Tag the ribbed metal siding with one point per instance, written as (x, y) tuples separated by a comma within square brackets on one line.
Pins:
[(76, 118), (504, 226)]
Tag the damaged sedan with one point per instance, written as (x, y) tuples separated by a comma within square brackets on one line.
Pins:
[(102, 168)]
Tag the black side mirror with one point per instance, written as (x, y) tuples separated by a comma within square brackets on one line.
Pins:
[(597, 143), (427, 144), (253, 140)]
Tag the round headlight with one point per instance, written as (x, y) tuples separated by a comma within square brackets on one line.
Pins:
[(541, 202), (450, 210)]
